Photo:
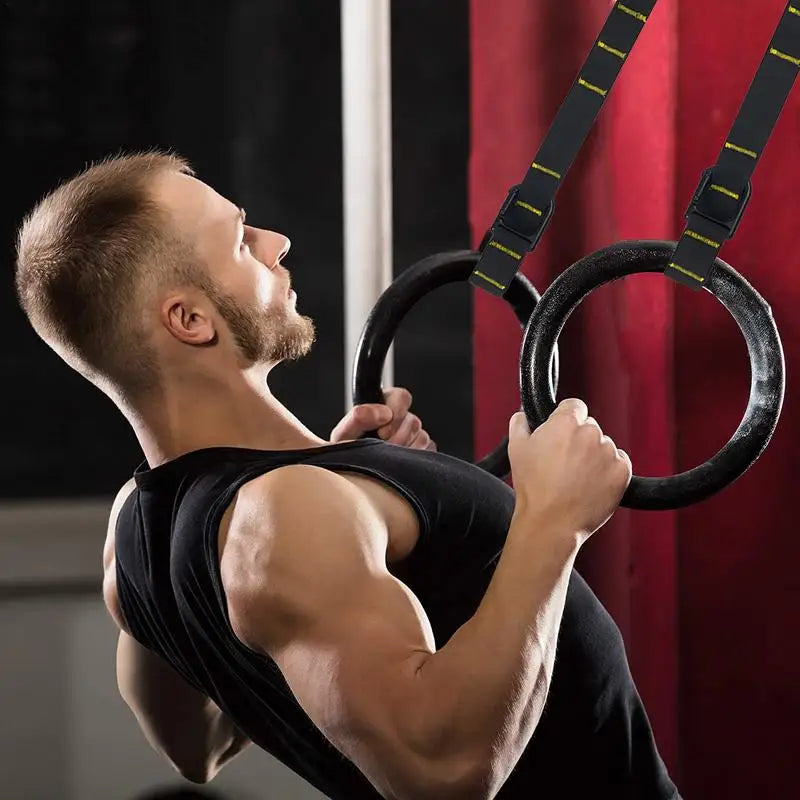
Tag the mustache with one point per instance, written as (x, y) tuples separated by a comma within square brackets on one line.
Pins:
[(285, 275), (282, 272)]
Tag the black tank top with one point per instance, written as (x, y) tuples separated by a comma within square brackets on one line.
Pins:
[(594, 739)]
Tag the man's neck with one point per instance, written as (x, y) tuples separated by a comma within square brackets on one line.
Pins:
[(183, 419)]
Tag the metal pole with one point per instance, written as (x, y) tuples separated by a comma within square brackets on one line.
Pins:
[(367, 166)]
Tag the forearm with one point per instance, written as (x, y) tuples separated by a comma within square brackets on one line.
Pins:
[(227, 741), (203, 745), (485, 690)]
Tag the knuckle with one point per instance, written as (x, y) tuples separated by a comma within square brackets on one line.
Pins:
[(575, 404), (609, 448), (565, 421), (591, 433), (624, 461)]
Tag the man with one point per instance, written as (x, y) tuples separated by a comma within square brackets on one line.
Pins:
[(387, 621)]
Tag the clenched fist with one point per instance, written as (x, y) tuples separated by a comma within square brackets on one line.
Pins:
[(567, 470)]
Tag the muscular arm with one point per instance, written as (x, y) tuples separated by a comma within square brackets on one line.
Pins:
[(179, 722), (308, 585)]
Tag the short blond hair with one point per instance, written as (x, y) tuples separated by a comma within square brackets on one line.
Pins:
[(85, 253)]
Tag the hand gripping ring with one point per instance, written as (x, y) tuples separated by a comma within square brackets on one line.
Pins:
[(405, 291), (752, 315)]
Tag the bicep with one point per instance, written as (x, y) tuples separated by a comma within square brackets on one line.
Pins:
[(353, 665), (348, 637)]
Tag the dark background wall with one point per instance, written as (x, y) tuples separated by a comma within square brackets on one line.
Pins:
[(250, 92)]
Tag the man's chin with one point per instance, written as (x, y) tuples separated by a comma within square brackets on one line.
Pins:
[(295, 350), (293, 339)]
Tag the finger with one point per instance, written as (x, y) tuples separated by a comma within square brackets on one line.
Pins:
[(518, 427), (388, 431), (408, 430), (344, 429), (359, 420), (420, 441), (591, 427), (370, 416), (607, 441), (432, 447), (625, 461), (398, 399), (572, 406)]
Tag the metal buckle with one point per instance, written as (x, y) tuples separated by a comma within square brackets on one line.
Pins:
[(532, 239), (713, 204)]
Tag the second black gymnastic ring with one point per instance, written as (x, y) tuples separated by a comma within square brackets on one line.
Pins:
[(753, 316), (405, 291)]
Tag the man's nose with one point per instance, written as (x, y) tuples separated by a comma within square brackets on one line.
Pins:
[(277, 246)]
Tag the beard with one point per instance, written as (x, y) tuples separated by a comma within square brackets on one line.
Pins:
[(265, 334)]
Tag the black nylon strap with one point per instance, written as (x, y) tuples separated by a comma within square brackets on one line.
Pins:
[(529, 205), (724, 190)]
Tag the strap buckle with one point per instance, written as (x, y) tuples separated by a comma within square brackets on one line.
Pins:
[(720, 199), (521, 214), (515, 231)]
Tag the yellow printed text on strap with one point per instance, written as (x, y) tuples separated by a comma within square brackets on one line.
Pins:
[(547, 171), (592, 88), (785, 56), (489, 280), (528, 207), (704, 239), (635, 14), (793, 10), (722, 190), (503, 249), (612, 50), (743, 150), (687, 272)]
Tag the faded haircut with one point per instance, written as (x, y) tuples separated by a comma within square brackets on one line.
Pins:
[(86, 256)]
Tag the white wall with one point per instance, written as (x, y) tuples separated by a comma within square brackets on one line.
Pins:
[(65, 734)]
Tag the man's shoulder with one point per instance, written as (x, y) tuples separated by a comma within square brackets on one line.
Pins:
[(295, 491), (109, 554), (293, 539), (297, 474), (290, 526), (119, 501)]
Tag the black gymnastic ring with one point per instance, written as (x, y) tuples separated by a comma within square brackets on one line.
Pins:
[(753, 316), (405, 291)]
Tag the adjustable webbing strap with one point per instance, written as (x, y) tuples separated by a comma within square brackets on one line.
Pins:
[(724, 190), (529, 205)]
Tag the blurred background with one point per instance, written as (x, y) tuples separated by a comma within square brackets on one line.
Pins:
[(251, 94)]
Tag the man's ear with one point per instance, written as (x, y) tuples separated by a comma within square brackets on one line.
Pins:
[(188, 321)]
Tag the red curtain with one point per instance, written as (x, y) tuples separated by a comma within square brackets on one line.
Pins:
[(703, 596)]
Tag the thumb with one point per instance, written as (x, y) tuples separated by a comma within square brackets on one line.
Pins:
[(374, 414), (518, 427)]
